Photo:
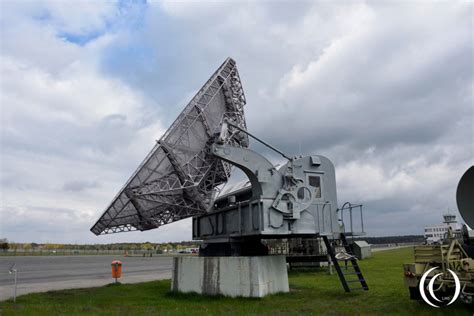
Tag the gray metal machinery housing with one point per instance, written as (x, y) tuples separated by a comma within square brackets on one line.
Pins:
[(296, 200)]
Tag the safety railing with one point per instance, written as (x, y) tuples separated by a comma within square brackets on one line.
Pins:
[(353, 212)]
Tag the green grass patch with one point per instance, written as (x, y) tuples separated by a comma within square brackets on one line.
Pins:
[(312, 292)]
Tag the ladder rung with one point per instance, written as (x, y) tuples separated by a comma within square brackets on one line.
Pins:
[(352, 281), (348, 273), (350, 266), (359, 288)]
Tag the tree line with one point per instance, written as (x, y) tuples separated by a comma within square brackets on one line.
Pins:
[(169, 246), (165, 247)]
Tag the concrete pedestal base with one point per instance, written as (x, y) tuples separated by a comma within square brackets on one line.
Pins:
[(230, 276)]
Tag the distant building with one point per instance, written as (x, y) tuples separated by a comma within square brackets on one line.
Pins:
[(192, 250), (437, 233)]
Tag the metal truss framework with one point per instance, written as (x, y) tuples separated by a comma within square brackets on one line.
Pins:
[(179, 178)]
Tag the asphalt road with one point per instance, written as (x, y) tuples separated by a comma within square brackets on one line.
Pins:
[(39, 274)]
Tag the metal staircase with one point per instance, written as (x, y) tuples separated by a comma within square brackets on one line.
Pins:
[(350, 270)]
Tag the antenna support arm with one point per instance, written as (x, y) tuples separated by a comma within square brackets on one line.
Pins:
[(259, 140), (263, 176)]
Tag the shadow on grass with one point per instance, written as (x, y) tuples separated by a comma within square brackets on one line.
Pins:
[(193, 296), (305, 270), (113, 284)]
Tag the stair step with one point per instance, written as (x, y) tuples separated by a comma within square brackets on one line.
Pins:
[(359, 288), (351, 266), (350, 273)]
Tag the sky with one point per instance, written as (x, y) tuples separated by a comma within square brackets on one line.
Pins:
[(384, 89)]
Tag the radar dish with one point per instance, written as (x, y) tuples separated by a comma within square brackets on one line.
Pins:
[(465, 197), (179, 177)]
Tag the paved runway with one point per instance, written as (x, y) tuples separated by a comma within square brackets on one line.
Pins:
[(44, 273)]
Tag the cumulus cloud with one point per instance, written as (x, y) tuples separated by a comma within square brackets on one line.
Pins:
[(383, 90), (64, 124)]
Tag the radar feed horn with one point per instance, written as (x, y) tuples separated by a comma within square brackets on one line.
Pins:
[(179, 177), (465, 197)]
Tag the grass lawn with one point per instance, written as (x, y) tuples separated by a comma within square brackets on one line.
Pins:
[(312, 292)]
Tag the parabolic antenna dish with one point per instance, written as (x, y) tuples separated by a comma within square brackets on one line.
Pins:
[(465, 197), (179, 177)]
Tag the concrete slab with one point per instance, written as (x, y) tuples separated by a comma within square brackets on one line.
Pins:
[(231, 276)]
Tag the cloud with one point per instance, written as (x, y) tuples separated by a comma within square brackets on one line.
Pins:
[(28, 223), (63, 125), (383, 90), (83, 17), (79, 185)]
